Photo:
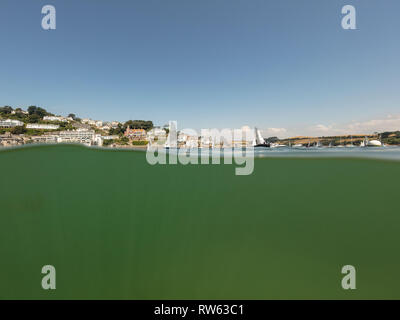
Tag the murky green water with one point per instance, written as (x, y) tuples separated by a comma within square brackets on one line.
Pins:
[(115, 227)]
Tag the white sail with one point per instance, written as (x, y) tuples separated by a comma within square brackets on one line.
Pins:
[(258, 139)]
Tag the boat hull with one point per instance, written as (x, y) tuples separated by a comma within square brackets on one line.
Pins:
[(374, 143)]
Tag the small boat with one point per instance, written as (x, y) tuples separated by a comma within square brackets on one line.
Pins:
[(277, 145), (374, 143), (259, 141)]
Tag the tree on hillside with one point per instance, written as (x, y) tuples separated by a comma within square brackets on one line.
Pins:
[(34, 118), (272, 139), (38, 111), (6, 110), (18, 130), (72, 115), (117, 131), (139, 124), (32, 110)]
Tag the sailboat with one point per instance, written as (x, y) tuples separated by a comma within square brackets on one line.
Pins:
[(373, 143), (259, 140), (370, 143)]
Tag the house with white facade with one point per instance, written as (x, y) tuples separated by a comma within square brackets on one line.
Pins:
[(10, 123), (54, 118), (42, 126)]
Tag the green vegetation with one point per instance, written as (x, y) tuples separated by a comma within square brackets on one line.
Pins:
[(6, 110), (34, 115), (392, 141), (18, 130), (139, 124), (64, 126), (119, 131), (133, 124), (108, 142), (122, 141), (391, 138), (40, 112), (139, 143)]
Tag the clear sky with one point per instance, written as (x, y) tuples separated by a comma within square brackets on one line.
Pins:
[(284, 64)]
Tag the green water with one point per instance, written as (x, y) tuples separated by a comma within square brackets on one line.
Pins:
[(115, 227)]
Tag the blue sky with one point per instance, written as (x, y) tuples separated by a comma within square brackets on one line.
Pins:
[(283, 64)]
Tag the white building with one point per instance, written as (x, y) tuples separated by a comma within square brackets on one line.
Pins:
[(110, 137), (9, 123), (157, 136), (44, 139), (86, 137), (19, 111), (42, 126), (242, 137), (99, 139), (53, 118)]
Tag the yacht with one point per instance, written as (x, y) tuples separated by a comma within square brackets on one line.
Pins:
[(374, 143), (278, 145), (298, 145), (259, 141), (370, 143)]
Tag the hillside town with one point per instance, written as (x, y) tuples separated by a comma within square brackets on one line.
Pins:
[(36, 125)]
